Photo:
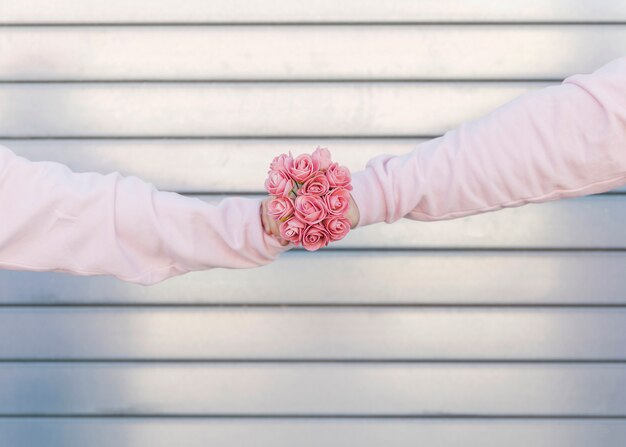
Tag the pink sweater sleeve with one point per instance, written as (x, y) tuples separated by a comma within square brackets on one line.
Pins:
[(564, 140), (88, 223)]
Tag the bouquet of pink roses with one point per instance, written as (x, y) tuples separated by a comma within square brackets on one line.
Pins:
[(310, 198)]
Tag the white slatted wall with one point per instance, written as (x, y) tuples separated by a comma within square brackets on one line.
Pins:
[(505, 328)]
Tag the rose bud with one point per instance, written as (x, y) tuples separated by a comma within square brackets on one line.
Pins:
[(314, 237), (302, 168), (279, 184), (278, 163), (315, 186), (338, 176), (291, 230), (323, 155), (337, 201), (280, 208), (310, 209), (337, 227)]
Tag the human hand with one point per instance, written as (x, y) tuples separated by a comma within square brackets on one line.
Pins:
[(353, 213), (270, 226)]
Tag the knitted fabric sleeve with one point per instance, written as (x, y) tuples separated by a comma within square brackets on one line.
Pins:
[(88, 223), (564, 140)]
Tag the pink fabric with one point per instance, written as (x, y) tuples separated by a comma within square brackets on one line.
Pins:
[(88, 223), (564, 140)]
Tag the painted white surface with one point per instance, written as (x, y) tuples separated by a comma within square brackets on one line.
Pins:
[(514, 313)]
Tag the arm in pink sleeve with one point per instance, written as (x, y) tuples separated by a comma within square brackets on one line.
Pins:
[(560, 141), (88, 223)]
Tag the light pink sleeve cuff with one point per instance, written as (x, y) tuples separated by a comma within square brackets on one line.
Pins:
[(388, 188), (369, 197)]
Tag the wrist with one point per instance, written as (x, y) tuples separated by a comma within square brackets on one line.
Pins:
[(368, 198), (353, 213)]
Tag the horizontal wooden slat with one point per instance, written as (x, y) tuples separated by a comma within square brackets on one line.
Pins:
[(216, 11), (313, 52), (242, 109), (313, 389), (423, 277), (202, 165), (368, 432), (314, 334), (594, 221)]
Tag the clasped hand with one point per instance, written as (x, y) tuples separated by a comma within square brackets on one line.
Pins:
[(270, 225)]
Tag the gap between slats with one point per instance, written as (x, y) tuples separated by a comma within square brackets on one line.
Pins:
[(322, 11)]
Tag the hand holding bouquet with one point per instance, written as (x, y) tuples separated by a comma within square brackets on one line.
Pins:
[(310, 201)]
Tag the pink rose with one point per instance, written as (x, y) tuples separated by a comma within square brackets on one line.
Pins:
[(302, 168), (337, 201), (291, 230), (338, 176), (280, 208), (315, 186), (323, 155), (315, 236), (278, 163), (310, 209), (279, 184), (336, 226)]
